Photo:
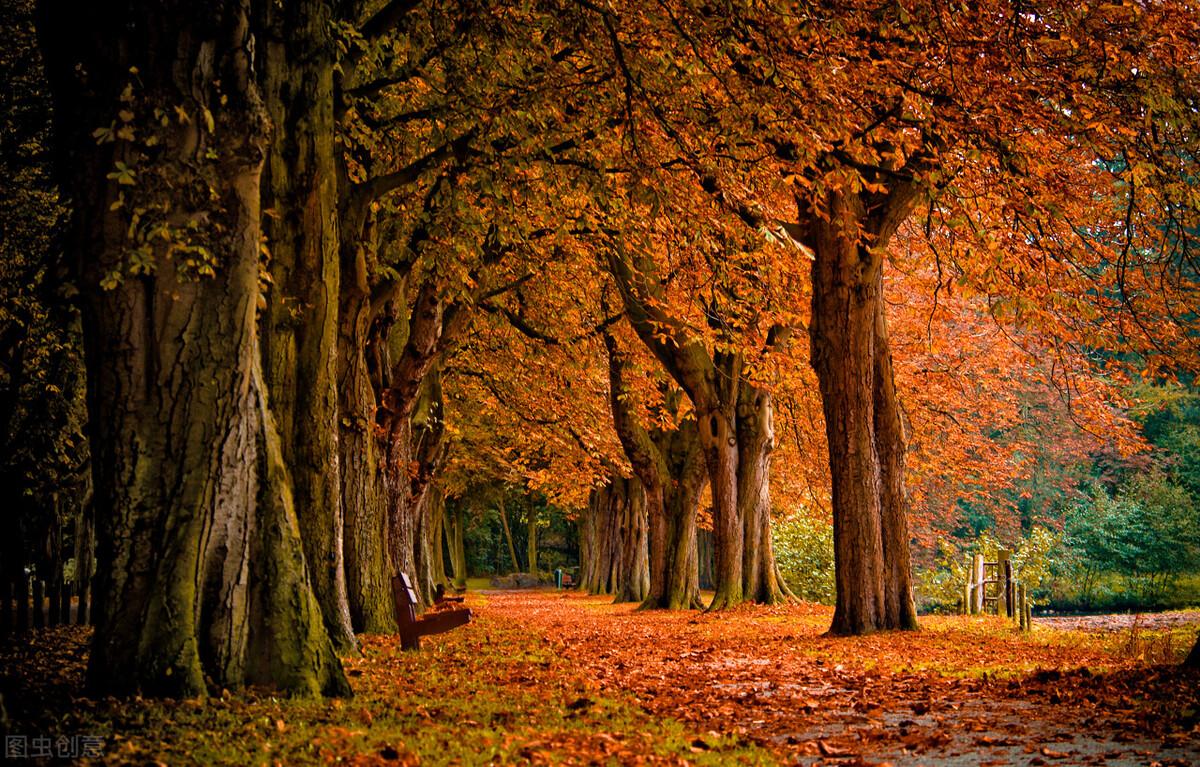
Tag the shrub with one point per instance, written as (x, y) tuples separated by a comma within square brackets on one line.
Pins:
[(804, 552)]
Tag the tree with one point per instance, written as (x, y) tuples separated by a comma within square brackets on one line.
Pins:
[(669, 463), (161, 136), (299, 327), (869, 112)]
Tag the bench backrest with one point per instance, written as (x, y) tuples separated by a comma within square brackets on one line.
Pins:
[(405, 598)]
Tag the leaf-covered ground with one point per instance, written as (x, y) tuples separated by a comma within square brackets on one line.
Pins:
[(561, 678)]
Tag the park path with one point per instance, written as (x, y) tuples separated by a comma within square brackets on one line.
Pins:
[(962, 691)]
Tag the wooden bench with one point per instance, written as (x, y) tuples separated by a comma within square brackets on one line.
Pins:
[(412, 628)]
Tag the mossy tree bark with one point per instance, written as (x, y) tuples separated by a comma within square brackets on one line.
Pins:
[(300, 323), (202, 577)]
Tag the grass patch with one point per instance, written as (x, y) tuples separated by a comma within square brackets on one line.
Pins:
[(495, 692)]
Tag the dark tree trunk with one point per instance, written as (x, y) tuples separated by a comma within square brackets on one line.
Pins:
[(1193, 658), (851, 359), (202, 576), (300, 323)]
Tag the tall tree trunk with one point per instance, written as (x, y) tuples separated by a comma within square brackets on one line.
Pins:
[(848, 354), (436, 540), (600, 539), (300, 322), (900, 610), (674, 562), (762, 582), (589, 540), (633, 582), (201, 569), (646, 567), (718, 436), (428, 450), (512, 549), (458, 555), (363, 496), (531, 549)]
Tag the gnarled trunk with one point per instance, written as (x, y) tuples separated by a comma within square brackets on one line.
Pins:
[(761, 579), (201, 570), (633, 579), (363, 494)]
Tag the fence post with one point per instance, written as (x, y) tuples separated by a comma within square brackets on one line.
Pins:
[(1004, 575), (977, 569)]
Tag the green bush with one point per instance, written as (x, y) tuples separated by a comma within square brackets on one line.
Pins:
[(804, 552), (1133, 548)]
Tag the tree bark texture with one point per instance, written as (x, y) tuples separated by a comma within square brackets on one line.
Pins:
[(300, 323), (862, 423), (202, 577), (762, 581), (602, 569), (363, 494)]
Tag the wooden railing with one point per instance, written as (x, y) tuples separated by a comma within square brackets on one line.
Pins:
[(993, 587)]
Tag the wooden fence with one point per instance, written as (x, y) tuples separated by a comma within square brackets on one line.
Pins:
[(993, 587)]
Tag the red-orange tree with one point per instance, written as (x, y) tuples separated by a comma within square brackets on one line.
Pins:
[(1013, 127)]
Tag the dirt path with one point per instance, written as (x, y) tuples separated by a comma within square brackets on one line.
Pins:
[(1121, 622), (962, 691)]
